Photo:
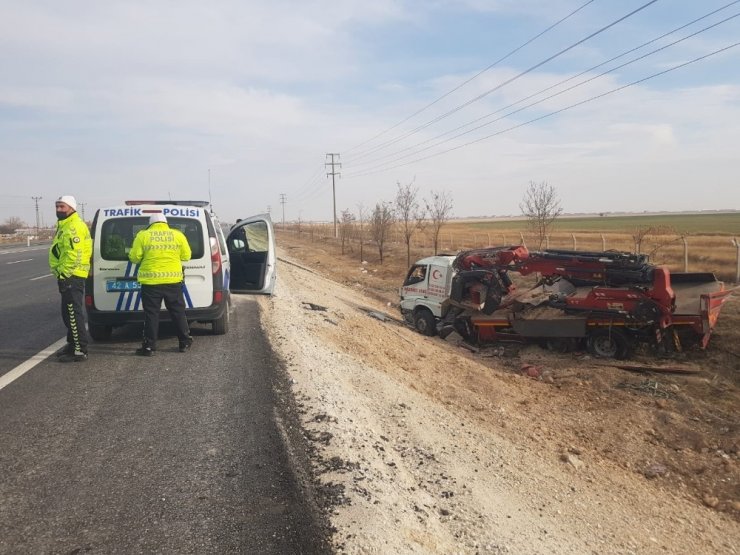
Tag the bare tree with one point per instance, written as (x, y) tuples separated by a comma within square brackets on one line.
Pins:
[(541, 207), (11, 224), (346, 225), (654, 237), (362, 214), (409, 214), (439, 207), (381, 222)]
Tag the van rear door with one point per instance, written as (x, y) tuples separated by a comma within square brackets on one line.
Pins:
[(251, 245)]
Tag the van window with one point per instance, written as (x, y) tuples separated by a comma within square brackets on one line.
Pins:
[(417, 274), (117, 235), (257, 238)]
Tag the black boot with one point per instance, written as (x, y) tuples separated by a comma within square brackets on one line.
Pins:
[(185, 345), (145, 351)]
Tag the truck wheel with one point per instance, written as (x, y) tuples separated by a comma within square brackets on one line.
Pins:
[(561, 344), (609, 343), (221, 325), (424, 322), (100, 332)]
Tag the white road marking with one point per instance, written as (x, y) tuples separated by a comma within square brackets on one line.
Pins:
[(19, 261), (40, 277), (21, 369), (26, 249)]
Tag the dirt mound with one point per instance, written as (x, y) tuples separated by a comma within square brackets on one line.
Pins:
[(511, 449)]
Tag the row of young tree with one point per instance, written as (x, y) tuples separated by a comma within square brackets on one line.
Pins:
[(414, 214), (10, 225), (408, 210)]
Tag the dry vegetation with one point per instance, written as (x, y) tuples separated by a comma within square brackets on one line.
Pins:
[(667, 240), (680, 432)]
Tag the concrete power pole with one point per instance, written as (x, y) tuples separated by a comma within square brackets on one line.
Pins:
[(283, 200), (36, 200), (333, 173), (82, 209)]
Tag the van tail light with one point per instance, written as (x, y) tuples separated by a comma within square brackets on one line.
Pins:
[(218, 297), (89, 301), (215, 256)]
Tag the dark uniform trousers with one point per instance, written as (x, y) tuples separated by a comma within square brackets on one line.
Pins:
[(73, 312), (151, 300)]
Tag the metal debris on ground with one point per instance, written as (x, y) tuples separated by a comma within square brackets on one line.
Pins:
[(382, 316), (661, 369), (378, 316), (312, 306), (649, 387)]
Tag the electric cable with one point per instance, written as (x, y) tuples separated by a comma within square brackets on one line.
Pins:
[(556, 112), (415, 147), (481, 72), (510, 80)]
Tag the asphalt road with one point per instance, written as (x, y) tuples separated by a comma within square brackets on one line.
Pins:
[(177, 453)]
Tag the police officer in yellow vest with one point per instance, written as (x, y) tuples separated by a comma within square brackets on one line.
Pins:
[(160, 251), (69, 260)]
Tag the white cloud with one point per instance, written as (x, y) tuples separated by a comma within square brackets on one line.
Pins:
[(120, 98)]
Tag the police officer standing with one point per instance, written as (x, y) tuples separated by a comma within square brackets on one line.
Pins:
[(161, 251), (69, 260)]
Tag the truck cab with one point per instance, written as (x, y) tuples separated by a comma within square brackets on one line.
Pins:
[(425, 293)]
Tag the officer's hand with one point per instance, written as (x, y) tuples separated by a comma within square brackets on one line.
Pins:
[(64, 283)]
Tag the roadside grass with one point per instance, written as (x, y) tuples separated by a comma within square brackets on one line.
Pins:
[(710, 249)]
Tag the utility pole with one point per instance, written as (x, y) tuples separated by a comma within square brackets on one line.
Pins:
[(283, 200), (269, 210), (82, 209), (36, 200), (333, 173)]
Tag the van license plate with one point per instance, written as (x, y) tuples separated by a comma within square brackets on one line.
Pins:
[(117, 285)]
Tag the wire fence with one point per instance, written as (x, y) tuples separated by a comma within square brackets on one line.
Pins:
[(688, 253)]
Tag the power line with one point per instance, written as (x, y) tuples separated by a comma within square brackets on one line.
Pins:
[(311, 187), (316, 176), (508, 81), (481, 72), (36, 200), (333, 175), (283, 200), (417, 151), (570, 107)]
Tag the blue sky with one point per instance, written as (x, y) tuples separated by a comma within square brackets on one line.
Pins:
[(132, 99)]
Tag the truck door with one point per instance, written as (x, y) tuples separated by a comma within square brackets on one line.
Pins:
[(251, 246), (438, 282)]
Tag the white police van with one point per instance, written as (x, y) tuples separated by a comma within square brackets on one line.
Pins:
[(113, 296)]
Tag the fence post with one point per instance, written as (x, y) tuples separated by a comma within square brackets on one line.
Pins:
[(503, 238), (521, 236), (488, 235), (547, 241), (685, 254), (603, 243), (737, 271), (575, 245)]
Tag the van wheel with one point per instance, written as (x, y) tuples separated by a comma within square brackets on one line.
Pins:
[(424, 322), (100, 332), (221, 325), (609, 343)]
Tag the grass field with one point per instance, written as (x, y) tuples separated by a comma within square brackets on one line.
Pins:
[(687, 242), (691, 224)]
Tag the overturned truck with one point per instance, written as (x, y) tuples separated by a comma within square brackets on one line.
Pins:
[(608, 302)]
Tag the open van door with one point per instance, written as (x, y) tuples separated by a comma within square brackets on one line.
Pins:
[(251, 245)]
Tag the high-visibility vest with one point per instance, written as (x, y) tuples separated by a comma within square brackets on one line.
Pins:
[(160, 251), (71, 248)]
